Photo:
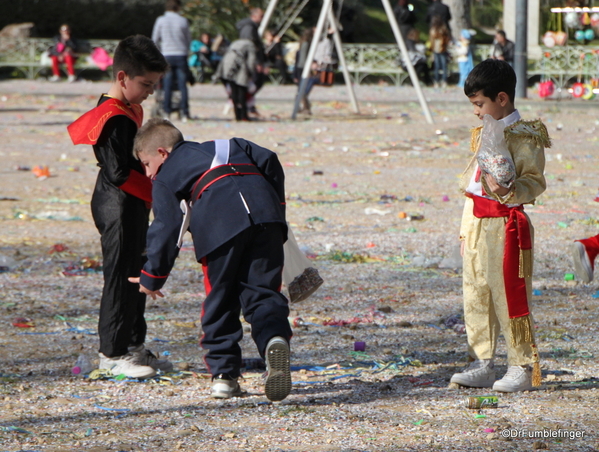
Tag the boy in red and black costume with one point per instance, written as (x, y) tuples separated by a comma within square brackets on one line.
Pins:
[(121, 205)]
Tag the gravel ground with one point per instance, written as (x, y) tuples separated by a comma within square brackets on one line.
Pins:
[(391, 283)]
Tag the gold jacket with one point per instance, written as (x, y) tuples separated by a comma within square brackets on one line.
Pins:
[(526, 141)]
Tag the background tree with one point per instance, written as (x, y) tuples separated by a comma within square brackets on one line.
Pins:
[(460, 16)]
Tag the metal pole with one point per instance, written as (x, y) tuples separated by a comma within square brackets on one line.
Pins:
[(339, 46), (310, 58), (269, 10), (521, 55), (404, 51)]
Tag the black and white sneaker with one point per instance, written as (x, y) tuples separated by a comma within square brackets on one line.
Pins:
[(225, 387)]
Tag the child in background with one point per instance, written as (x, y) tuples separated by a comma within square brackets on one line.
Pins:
[(439, 38), (64, 51), (497, 238), (121, 205), (465, 56)]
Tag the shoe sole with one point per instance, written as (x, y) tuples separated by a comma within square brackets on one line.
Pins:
[(500, 389), (582, 264), (488, 384), (225, 395), (278, 381)]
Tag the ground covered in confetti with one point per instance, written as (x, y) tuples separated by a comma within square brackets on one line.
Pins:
[(393, 284)]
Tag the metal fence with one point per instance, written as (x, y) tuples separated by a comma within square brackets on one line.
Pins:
[(563, 65)]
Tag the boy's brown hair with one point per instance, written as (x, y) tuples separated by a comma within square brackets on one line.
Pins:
[(138, 55), (156, 133)]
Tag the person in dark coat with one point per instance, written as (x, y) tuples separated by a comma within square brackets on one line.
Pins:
[(248, 29), (405, 17), (237, 221), (438, 8)]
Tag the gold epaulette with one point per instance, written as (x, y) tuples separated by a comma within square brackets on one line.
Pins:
[(529, 130)]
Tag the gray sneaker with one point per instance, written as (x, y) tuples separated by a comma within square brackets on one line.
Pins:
[(225, 387), (278, 380), (145, 357), (127, 365), (480, 374)]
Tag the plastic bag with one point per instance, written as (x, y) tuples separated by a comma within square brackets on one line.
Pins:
[(493, 157)]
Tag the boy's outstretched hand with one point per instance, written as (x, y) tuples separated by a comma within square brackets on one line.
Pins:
[(142, 289)]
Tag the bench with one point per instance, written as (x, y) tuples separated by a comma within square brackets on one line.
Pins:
[(25, 54)]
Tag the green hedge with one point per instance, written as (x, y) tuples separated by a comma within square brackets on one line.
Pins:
[(89, 19)]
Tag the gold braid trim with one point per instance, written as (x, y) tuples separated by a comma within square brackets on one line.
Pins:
[(525, 264), (521, 330), (528, 130), (536, 374), (475, 135)]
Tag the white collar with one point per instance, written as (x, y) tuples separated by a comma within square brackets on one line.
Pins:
[(511, 118)]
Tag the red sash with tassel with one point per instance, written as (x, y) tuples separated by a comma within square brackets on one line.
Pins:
[(517, 265)]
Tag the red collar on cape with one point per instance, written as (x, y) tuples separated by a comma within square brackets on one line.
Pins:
[(87, 129)]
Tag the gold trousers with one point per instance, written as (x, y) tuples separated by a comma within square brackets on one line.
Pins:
[(485, 304)]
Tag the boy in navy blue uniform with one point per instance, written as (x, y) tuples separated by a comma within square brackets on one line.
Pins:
[(237, 221), (120, 205)]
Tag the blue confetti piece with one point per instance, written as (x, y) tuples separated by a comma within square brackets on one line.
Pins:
[(118, 410), (12, 428), (596, 294), (536, 292)]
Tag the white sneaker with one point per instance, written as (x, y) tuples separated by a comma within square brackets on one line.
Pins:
[(72, 78), (479, 374), (225, 387), (517, 378), (278, 380), (127, 365), (145, 357), (55, 78)]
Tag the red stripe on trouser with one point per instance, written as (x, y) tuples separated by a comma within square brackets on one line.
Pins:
[(207, 285), (208, 288)]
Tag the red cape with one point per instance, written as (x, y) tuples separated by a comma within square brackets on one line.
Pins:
[(87, 129)]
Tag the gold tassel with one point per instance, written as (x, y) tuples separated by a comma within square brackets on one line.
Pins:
[(521, 330), (525, 264), (536, 374)]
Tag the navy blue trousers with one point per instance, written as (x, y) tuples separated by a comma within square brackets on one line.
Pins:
[(243, 275)]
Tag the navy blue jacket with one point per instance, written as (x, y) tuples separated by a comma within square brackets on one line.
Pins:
[(220, 213)]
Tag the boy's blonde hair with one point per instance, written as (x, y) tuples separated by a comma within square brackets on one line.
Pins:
[(156, 133)]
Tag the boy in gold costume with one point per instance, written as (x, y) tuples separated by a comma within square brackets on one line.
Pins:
[(497, 237)]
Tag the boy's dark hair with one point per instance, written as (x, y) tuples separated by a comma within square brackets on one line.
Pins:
[(491, 77), (138, 55), (501, 32)]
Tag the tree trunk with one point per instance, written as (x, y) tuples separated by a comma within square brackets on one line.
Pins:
[(460, 16)]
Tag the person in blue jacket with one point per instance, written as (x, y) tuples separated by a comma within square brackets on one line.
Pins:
[(237, 221)]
